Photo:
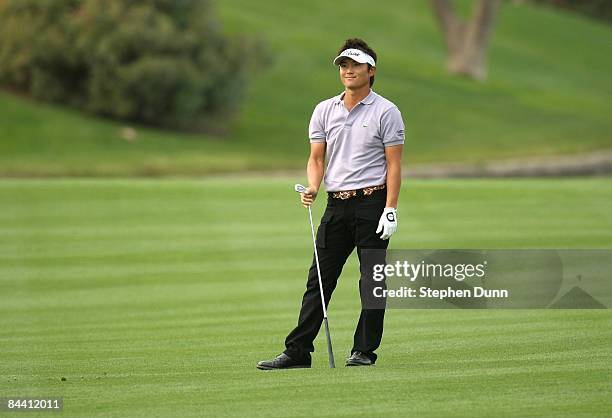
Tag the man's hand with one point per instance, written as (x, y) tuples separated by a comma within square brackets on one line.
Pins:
[(387, 223), (309, 196)]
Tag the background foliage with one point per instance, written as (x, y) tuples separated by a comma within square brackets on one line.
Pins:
[(161, 62), (601, 9), (547, 94)]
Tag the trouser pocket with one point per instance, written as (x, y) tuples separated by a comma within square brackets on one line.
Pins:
[(367, 215), (323, 226)]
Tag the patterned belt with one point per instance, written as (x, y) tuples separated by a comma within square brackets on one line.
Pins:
[(347, 194)]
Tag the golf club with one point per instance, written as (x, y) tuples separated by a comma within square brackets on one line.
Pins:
[(301, 189)]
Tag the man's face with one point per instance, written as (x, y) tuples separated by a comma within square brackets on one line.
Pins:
[(355, 75)]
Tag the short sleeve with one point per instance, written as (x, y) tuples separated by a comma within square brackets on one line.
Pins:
[(392, 127), (316, 128)]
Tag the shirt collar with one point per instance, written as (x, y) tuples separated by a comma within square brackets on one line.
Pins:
[(338, 98), (368, 100)]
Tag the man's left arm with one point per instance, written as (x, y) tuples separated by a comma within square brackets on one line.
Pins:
[(392, 134), (393, 154), (387, 225)]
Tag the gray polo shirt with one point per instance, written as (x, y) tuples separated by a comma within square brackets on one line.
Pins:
[(356, 140)]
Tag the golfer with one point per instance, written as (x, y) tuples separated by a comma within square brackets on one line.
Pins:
[(361, 135)]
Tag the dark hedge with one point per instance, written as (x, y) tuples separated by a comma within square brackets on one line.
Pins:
[(159, 62)]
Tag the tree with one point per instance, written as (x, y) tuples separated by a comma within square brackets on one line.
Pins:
[(466, 41), (158, 62)]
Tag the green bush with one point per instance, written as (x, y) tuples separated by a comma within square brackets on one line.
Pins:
[(161, 62), (599, 9)]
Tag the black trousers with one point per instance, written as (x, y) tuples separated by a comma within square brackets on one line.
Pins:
[(346, 224)]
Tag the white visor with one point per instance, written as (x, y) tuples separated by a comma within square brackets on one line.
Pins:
[(356, 55)]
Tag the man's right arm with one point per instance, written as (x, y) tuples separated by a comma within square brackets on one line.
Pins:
[(315, 169)]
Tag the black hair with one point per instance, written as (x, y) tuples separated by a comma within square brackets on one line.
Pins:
[(360, 44)]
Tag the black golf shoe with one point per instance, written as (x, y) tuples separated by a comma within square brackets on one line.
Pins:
[(359, 359), (283, 361)]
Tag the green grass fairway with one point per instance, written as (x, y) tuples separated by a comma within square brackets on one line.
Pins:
[(156, 298)]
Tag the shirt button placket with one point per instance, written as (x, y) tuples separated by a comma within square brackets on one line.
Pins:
[(350, 117)]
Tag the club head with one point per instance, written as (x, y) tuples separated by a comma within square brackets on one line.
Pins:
[(300, 189)]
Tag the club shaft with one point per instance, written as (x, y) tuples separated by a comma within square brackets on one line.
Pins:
[(314, 242), (330, 351)]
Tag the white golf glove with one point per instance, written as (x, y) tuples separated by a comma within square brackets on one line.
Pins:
[(388, 223)]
